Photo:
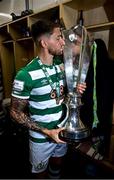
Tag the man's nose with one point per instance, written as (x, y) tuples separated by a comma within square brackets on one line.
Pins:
[(62, 41)]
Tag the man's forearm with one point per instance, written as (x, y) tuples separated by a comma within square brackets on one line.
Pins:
[(26, 121)]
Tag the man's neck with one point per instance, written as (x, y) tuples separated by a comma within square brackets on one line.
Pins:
[(46, 58)]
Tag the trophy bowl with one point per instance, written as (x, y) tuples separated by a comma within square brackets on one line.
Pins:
[(76, 63)]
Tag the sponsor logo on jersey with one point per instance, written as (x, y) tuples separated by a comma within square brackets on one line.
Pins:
[(18, 85)]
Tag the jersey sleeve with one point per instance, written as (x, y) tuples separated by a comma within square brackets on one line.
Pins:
[(22, 85)]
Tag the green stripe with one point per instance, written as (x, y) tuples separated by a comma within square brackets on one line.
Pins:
[(33, 65), (39, 98), (95, 117), (37, 83), (59, 75), (45, 111), (38, 140), (50, 125), (58, 60)]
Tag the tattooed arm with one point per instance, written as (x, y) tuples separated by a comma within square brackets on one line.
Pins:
[(19, 114)]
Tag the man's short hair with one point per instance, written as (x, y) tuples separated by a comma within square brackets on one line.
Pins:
[(42, 27)]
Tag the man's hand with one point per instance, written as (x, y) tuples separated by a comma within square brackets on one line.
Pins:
[(54, 134), (81, 88)]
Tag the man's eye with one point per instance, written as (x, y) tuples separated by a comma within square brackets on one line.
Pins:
[(58, 38)]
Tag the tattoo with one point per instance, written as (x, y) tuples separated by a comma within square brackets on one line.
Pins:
[(19, 113)]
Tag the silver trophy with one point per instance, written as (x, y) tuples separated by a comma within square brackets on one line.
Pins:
[(76, 63)]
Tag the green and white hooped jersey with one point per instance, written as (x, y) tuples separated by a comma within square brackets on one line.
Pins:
[(32, 84)]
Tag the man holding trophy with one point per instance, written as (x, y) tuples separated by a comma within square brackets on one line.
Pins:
[(38, 96)]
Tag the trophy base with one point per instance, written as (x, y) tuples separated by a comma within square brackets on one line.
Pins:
[(75, 136)]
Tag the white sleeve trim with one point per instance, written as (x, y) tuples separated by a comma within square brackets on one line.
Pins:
[(20, 97)]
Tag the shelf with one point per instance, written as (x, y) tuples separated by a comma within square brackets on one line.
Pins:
[(51, 13), (84, 4), (4, 35), (24, 52), (8, 41), (18, 28), (101, 27), (8, 67), (18, 40), (24, 39)]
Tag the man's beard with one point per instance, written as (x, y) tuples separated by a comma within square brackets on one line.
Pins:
[(54, 53)]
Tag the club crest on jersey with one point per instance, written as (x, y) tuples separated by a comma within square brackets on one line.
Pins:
[(18, 85)]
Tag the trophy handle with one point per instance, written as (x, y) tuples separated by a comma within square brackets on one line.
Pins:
[(65, 115)]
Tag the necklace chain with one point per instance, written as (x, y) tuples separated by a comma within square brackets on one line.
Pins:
[(57, 87)]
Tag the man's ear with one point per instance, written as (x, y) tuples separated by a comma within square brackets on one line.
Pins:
[(43, 43)]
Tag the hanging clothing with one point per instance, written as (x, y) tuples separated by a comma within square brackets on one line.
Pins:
[(104, 93)]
